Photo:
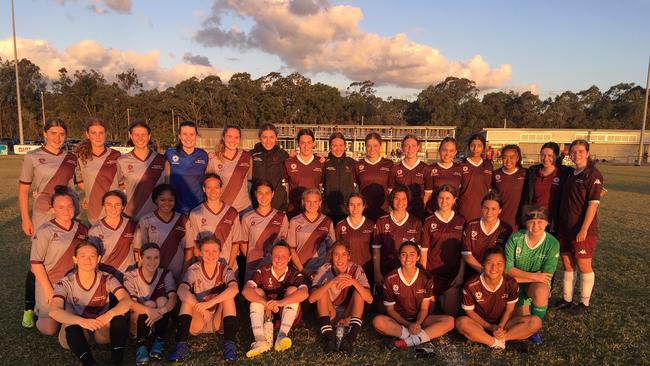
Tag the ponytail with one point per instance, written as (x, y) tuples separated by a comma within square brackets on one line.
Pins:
[(221, 146), (84, 149)]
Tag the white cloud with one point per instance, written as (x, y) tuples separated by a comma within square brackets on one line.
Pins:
[(103, 6), (90, 54), (313, 36)]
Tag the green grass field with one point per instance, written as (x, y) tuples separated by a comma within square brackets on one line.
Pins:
[(616, 331)]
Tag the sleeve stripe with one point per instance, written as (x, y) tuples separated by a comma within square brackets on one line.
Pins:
[(251, 283), (59, 296), (185, 283), (303, 285), (466, 253), (36, 262), (171, 292), (512, 301), (388, 303), (25, 183), (376, 247), (117, 289), (594, 201), (469, 307)]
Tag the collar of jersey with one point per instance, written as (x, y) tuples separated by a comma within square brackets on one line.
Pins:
[(536, 244), (443, 220), (280, 279), (305, 162), (417, 162), (402, 222), (486, 286), (363, 219), (476, 165), (401, 276), (493, 229)]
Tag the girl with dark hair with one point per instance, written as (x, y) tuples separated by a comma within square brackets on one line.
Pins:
[(302, 171), (357, 231), (410, 172), (510, 181), (185, 167), (268, 164), (338, 178), (476, 178), (372, 175), (444, 171)]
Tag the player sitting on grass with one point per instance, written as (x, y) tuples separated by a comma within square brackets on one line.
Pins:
[(408, 293), (207, 295), (153, 291), (340, 291), (276, 290), (81, 304), (489, 303), (531, 258)]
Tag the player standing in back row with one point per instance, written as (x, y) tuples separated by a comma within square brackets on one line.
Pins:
[(302, 172), (476, 178)]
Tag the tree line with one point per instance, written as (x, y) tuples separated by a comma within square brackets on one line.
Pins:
[(293, 98)]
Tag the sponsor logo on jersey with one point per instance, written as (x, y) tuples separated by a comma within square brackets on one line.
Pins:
[(318, 169), (331, 168), (276, 222), (420, 291), (459, 227), (227, 221), (127, 235), (199, 161), (580, 181), (411, 231), (487, 171), (582, 251), (157, 167)]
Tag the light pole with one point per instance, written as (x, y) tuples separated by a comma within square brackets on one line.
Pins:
[(128, 117), (20, 113), (43, 107), (645, 115)]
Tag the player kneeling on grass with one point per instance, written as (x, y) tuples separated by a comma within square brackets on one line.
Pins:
[(153, 291), (489, 302), (207, 295), (340, 291), (276, 290), (408, 293), (531, 258), (81, 304)]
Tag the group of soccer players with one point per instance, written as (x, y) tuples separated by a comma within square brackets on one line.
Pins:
[(176, 238)]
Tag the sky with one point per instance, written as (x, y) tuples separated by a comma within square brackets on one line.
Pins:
[(546, 47)]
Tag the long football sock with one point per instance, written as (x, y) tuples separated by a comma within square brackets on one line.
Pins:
[(289, 313), (539, 311), (257, 320), (586, 286), (183, 328), (568, 282)]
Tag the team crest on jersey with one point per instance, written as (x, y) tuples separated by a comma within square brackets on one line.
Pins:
[(75, 299), (387, 227), (395, 288), (220, 167), (298, 227), (434, 171), (55, 236), (478, 295), (465, 168), (434, 226), (153, 228), (497, 177), (42, 160), (344, 229), (399, 171), (518, 252), (203, 221), (294, 166), (556, 180), (252, 223), (101, 236), (362, 167), (129, 167), (175, 158), (474, 234)]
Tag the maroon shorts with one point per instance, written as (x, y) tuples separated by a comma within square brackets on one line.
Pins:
[(441, 284), (583, 249)]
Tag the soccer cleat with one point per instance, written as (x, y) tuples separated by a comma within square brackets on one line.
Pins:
[(28, 318), (346, 346), (401, 344), (156, 351), (536, 339), (579, 309), (229, 351), (142, 356), (564, 305), (258, 348), (268, 331), (179, 352), (330, 342), (282, 343)]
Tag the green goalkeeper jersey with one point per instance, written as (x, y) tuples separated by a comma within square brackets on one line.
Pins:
[(538, 257)]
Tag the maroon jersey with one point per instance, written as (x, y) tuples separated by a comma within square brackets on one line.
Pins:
[(53, 247), (90, 302), (435, 176), (311, 239), (116, 244), (260, 232), (510, 187), (389, 235), (444, 241), (407, 297), (488, 303), (301, 175), (235, 173), (274, 284), (140, 177), (99, 175), (476, 181), (548, 190), (476, 240), (359, 238), (372, 179), (413, 178), (579, 190)]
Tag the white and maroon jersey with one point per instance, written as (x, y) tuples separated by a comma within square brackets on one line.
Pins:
[(140, 177), (579, 190), (260, 232), (476, 180), (359, 238), (53, 247), (115, 244), (99, 174), (340, 297), (225, 225), (161, 284), (45, 170), (275, 285), (171, 237), (235, 174), (311, 239), (390, 234), (206, 286), (487, 303), (510, 187), (90, 302), (407, 297), (301, 175), (437, 175), (476, 240), (444, 241), (413, 178), (372, 179)]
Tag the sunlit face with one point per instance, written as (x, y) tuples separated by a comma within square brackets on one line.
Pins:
[(187, 137), (337, 147), (373, 149), (579, 155), (355, 206), (410, 148), (63, 208), (547, 157), (113, 206), (490, 210), (231, 138), (476, 148), (400, 202), (494, 266), (447, 152), (96, 135), (209, 252), (280, 258), (312, 202), (212, 189), (536, 226), (165, 202), (510, 159), (446, 201), (306, 145), (150, 259), (409, 257), (86, 258), (140, 137), (340, 258), (54, 137), (268, 139), (264, 196)]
